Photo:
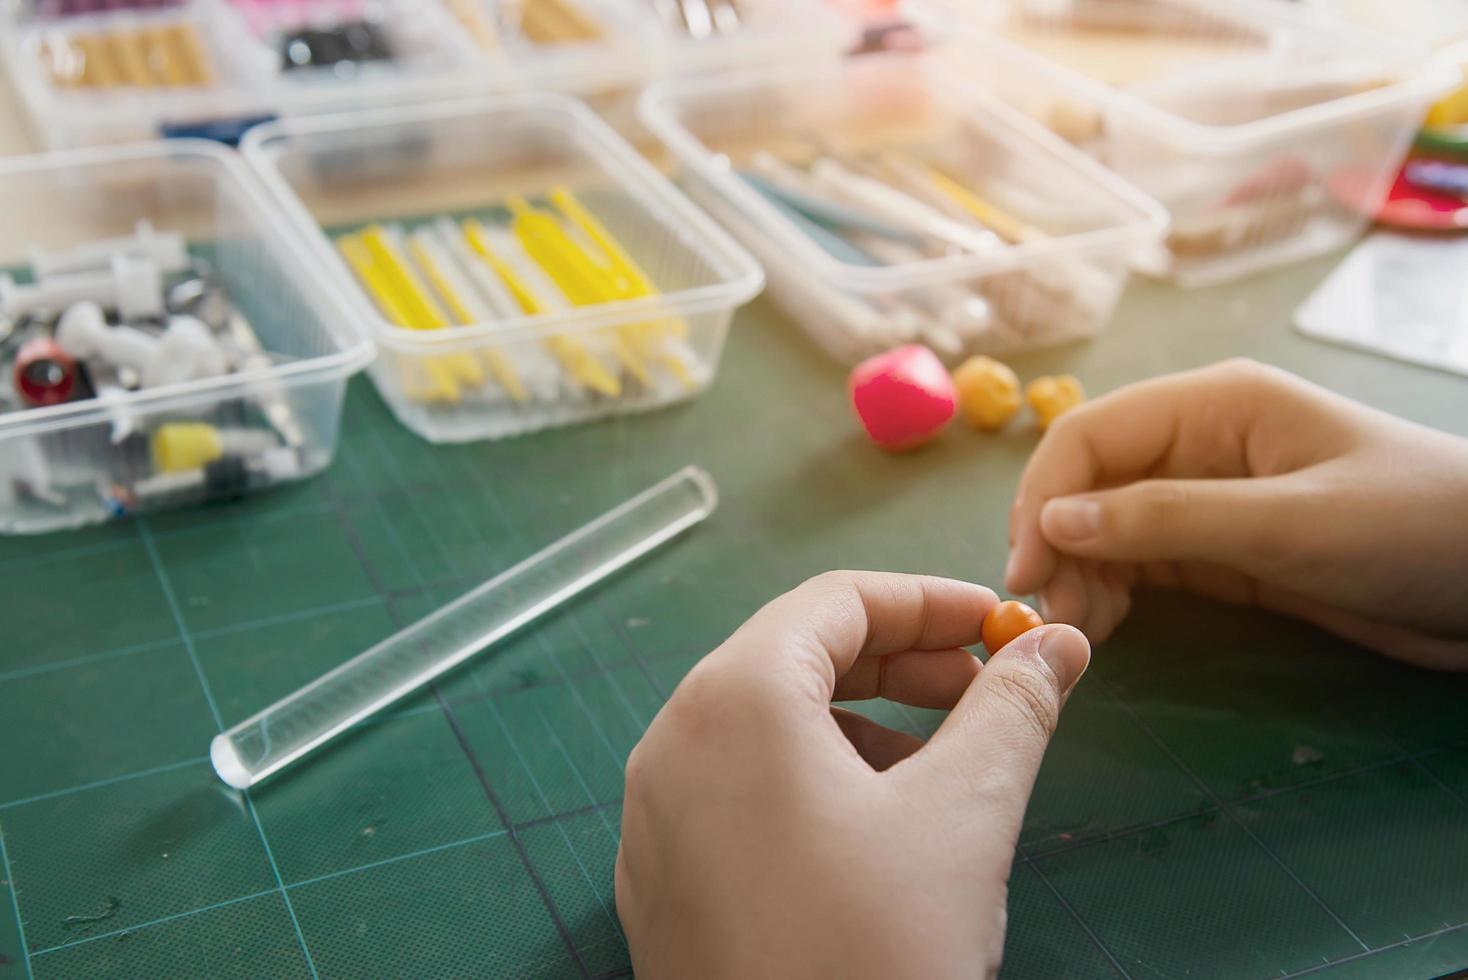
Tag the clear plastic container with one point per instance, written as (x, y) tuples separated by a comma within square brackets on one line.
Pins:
[(418, 47), (247, 47), (1072, 227), (698, 36), (84, 461), (1269, 133), (47, 58), (605, 53), (243, 78), (493, 365)]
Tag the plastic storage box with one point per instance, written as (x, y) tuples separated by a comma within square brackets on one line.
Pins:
[(1071, 227), (477, 338), (1270, 133), (83, 461), (213, 67), (581, 47), (699, 36)]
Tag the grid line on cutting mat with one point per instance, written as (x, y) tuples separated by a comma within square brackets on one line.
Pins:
[(503, 521), (25, 952), (317, 879), (188, 642), (470, 528), (1228, 812), (161, 920), (1368, 954), (377, 582), (466, 581)]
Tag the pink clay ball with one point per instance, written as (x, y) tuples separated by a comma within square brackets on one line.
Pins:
[(903, 397)]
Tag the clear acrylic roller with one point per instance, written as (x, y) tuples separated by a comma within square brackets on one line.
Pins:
[(372, 680)]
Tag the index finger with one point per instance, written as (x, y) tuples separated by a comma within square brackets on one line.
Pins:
[(821, 628), (1120, 434)]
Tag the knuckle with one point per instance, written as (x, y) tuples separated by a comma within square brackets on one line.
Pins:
[(836, 580), (1032, 698), (1066, 429), (1240, 367), (1249, 374), (694, 703), (1167, 506), (839, 588), (841, 592), (635, 773)]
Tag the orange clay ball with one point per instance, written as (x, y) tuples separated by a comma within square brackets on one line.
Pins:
[(1005, 622), (1051, 397), (988, 392)]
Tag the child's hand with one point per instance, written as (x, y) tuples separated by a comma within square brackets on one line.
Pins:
[(765, 833), (1247, 484)]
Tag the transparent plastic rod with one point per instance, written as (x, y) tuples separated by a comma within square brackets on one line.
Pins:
[(372, 680)]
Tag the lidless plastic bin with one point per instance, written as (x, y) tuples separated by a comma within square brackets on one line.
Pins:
[(1059, 284), (1270, 133), (243, 44), (770, 32), (614, 60), (412, 168), (79, 462)]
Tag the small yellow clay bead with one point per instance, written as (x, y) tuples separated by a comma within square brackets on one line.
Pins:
[(988, 392), (1051, 397)]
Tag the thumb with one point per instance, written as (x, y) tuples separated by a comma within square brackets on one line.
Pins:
[(1229, 522), (988, 749)]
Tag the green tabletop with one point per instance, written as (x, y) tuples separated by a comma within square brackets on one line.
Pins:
[(1230, 794)]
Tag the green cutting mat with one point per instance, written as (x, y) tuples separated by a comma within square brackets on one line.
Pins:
[(1230, 794)]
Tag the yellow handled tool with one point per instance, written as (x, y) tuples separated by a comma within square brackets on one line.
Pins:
[(423, 312), (438, 270), (633, 282), (578, 361), (440, 385)]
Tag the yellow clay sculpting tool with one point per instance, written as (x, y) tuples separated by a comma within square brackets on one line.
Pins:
[(197, 68), (545, 241), (576, 213), (591, 352), (362, 264), (440, 273), (900, 208), (535, 365), (576, 274), (99, 66), (162, 60), (432, 267), (489, 286), (423, 312), (475, 235), (477, 23), (633, 283), (640, 282), (441, 385), (1001, 222), (672, 358), (556, 22), (579, 362), (128, 50)]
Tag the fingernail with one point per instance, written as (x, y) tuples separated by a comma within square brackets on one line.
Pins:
[(1067, 653), (1071, 520), (1009, 568)]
